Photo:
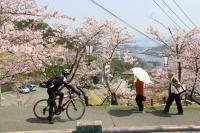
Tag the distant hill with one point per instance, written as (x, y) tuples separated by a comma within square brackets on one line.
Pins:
[(155, 51), (133, 48), (136, 49)]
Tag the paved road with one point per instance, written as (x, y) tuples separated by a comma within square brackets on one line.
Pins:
[(14, 118), (14, 98), (16, 115)]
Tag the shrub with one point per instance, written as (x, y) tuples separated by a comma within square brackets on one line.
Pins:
[(7, 87)]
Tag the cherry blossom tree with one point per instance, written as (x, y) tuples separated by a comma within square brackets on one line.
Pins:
[(177, 43), (29, 40), (106, 49), (104, 37), (183, 48), (192, 57)]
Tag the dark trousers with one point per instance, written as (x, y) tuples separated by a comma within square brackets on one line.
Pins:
[(52, 103), (170, 99), (139, 102)]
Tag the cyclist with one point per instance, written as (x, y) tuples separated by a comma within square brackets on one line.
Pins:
[(53, 91)]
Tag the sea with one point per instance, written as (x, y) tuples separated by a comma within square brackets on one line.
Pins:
[(148, 58)]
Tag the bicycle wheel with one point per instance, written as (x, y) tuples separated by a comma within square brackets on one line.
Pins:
[(75, 109), (41, 109), (83, 96)]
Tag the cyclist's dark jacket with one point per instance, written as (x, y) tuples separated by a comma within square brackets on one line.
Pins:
[(57, 82)]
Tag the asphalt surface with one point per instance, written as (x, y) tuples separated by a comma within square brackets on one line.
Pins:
[(15, 98), (20, 117), (14, 118)]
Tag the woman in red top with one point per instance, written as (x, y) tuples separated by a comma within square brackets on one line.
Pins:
[(139, 85)]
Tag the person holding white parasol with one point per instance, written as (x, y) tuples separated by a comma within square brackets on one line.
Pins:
[(142, 78)]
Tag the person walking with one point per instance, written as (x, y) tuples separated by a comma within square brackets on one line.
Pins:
[(174, 94), (139, 85)]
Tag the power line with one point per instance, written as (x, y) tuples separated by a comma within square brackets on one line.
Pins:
[(184, 13), (166, 14), (175, 14), (123, 21)]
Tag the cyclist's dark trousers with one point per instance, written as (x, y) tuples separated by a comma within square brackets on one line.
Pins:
[(73, 89), (170, 100), (139, 102), (52, 103), (61, 95)]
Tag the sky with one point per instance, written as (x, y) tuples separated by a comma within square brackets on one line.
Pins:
[(137, 13)]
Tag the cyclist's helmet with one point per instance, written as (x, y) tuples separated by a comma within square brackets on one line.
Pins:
[(65, 72)]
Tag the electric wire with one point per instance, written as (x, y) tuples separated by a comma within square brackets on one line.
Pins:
[(123, 21), (175, 14), (166, 14), (184, 13)]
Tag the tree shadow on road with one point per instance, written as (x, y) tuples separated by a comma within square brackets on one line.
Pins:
[(122, 112), (36, 120), (159, 112)]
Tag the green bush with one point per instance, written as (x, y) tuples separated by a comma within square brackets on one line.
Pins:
[(7, 87), (35, 74), (5, 54), (89, 58), (21, 77), (56, 70), (95, 79)]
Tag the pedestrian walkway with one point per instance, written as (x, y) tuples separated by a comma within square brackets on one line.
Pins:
[(14, 118)]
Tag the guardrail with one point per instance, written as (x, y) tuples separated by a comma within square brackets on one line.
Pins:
[(153, 129), (96, 127)]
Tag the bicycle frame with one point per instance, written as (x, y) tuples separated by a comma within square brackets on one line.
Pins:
[(69, 100)]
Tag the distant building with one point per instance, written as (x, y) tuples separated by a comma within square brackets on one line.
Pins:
[(154, 64)]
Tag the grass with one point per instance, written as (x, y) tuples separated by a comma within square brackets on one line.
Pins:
[(147, 107), (96, 101), (5, 54)]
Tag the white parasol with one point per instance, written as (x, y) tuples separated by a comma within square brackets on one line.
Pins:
[(141, 74)]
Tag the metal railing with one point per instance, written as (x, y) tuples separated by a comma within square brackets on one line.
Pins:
[(154, 129)]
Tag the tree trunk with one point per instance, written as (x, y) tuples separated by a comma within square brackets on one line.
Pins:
[(114, 99), (179, 71), (195, 80), (113, 94)]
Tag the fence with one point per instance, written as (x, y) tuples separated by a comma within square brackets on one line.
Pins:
[(153, 101)]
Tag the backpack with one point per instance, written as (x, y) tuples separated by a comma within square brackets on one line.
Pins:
[(48, 83)]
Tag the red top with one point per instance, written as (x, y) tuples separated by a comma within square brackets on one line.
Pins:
[(139, 85)]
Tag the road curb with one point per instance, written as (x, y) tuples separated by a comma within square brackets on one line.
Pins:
[(45, 131)]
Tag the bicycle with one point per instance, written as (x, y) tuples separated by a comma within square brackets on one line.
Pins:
[(74, 107)]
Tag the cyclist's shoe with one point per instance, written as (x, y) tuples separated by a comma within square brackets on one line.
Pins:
[(50, 118), (51, 122), (58, 111)]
